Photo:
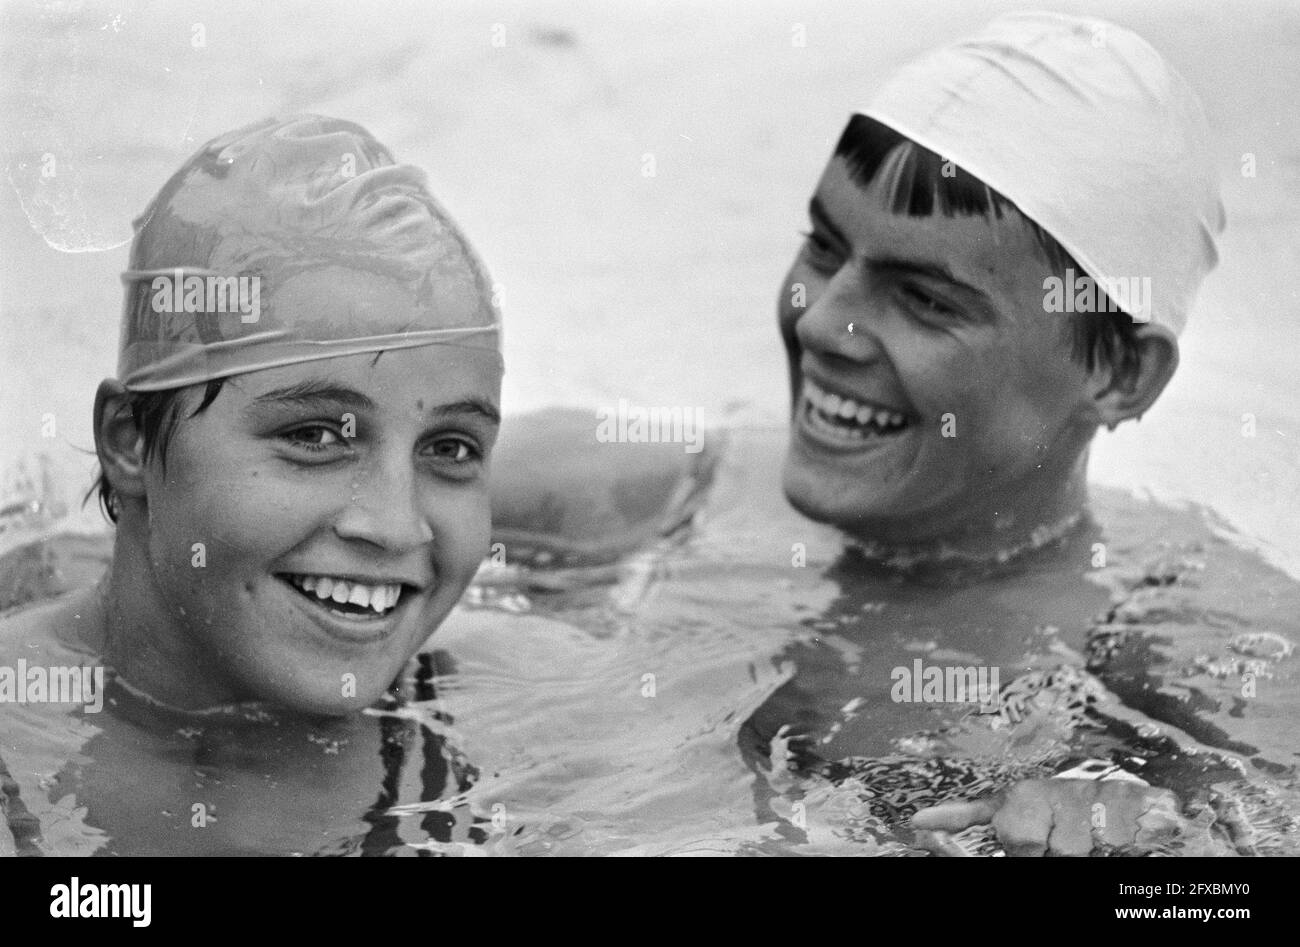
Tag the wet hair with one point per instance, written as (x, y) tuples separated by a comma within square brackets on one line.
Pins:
[(156, 414), (925, 183)]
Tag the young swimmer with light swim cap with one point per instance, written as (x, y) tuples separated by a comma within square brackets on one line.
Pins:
[(944, 395), (299, 480), (944, 388)]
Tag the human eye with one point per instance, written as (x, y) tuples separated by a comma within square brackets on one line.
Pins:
[(821, 252), (927, 303), (314, 438), (454, 452)]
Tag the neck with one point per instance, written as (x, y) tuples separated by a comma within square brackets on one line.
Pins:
[(1026, 516), (145, 643)]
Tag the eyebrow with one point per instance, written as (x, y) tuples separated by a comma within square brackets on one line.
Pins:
[(317, 394), (927, 268), (484, 409)]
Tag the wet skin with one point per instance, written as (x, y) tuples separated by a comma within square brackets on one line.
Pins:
[(947, 324), (274, 479), (940, 322)]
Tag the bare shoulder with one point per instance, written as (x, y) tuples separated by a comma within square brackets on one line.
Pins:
[(565, 490)]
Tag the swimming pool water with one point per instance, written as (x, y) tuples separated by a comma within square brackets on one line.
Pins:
[(631, 710)]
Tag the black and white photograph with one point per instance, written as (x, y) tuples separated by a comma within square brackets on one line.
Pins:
[(655, 428)]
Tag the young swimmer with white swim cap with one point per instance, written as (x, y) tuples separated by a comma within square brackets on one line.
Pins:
[(945, 383), (299, 482)]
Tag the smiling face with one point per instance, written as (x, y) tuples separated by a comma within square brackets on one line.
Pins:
[(342, 505), (911, 329)]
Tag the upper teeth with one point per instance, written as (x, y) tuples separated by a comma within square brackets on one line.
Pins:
[(378, 597), (849, 410)]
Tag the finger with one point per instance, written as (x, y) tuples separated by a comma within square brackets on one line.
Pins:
[(1161, 821), (940, 843), (1024, 824), (1135, 814), (1114, 816), (955, 816), (1070, 834), (1071, 802), (1229, 816)]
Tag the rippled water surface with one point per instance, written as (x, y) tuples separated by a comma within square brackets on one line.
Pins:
[(633, 710)]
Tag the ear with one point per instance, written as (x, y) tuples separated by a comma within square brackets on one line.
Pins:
[(1128, 391), (119, 442)]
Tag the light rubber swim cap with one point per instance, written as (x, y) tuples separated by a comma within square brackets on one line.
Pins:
[(259, 208), (1090, 132)]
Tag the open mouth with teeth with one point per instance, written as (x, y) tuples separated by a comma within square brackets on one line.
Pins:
[(847, 421), (346, 598)]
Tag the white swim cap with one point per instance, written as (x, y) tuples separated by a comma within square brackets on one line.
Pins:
[(1092, 135)]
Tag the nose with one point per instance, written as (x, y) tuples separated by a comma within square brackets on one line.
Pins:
[(837, 324), (384, 509)]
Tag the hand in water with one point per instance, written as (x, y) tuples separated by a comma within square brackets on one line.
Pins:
[(1059, 817)]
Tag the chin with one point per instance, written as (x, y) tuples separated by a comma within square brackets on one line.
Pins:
[(326, 703), (867, 514), (318, 691), (817, 497)]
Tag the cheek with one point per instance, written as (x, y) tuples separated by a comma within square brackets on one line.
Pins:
[(1018, 397), (229, 519), (462, 522), (947, 377), (976, 391), (1047, 380)]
